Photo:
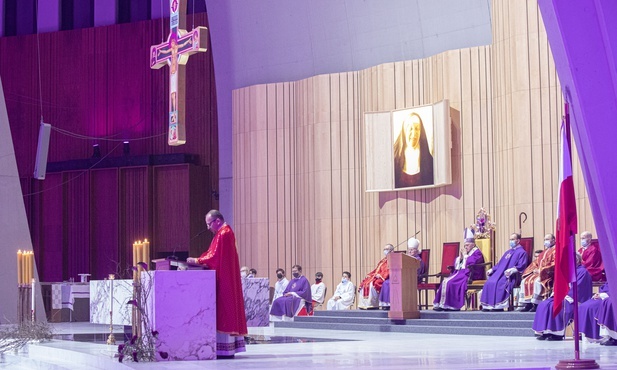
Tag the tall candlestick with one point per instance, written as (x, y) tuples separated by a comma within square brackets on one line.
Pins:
[(32, 303), (111, 339), (111, 292), (19, 276), (32, 264)]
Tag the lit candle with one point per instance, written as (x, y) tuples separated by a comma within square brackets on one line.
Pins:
[(32, 303), (146, 252), (24, 255), (134, 259), (111, 293), (19, 258), (27, 268)]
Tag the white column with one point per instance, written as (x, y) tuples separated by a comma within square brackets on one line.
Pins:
[(105, 12), (48, 16)]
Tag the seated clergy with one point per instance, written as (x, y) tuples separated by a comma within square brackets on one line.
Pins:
[(413, 250), (371, 285), (588, 315), (295, 296), (344, 294), (548, 327), (538, 277), (281, 283), (608, 325), (592, 258), (451, 293), (503, 277), (318, 290)]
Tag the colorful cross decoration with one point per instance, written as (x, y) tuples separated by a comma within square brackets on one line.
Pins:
[(175, 53)]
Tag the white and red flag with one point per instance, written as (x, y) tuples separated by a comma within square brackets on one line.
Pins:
[(565, 264)]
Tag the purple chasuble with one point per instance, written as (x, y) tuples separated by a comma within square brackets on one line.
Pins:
[(544, 321), (606, 316), (451, 292), (588, 315), (498, 287), (289, 305)]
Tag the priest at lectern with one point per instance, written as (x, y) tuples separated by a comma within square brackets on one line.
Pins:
[(222, 257)]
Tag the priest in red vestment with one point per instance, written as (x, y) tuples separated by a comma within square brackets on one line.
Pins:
[(222, 257), (371, 285), (592, 259), (538, 277)]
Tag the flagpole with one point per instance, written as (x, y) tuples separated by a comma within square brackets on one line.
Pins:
[(577, 363), (577, 355)]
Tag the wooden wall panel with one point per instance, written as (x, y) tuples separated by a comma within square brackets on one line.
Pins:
[(506, 106), (104, 226)]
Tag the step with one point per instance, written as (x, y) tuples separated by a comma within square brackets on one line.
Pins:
[(419, 322), (461, 315), (352, 313), (456, 330)]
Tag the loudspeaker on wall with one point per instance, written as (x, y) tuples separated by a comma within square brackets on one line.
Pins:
[(40, 166)]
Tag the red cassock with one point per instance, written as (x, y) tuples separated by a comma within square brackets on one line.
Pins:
[(222, 257), (592, 260)]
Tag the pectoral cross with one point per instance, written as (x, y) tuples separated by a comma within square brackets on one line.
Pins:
[(175, 53)]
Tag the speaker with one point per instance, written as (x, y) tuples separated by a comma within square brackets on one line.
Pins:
[(40, 166)]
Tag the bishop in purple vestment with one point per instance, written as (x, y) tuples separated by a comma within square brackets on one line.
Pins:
[(297, 293), (451, 293), (606, 319), (503, 277), (588, 314), (553, 328)]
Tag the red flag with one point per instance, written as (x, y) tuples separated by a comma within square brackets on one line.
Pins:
[(565, 270)]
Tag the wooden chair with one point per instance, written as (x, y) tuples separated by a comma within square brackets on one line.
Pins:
[(425, 256), (449, 253), (527, 244)]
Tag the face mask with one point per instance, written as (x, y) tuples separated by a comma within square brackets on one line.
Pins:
[(344, 280), (317, 281), (585, 242), (296, 274), (547, 243), (385, 253), (279, 275), (512, 244), (243, 274)]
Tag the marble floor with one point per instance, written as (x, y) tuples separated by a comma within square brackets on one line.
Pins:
[(324, 349)]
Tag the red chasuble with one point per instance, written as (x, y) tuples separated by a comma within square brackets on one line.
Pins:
[(377, 277), (222, 257)]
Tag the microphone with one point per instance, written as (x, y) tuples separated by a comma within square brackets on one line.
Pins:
[(405, 241), (173, 256)]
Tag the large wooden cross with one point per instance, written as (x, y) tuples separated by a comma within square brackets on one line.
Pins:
[(175, 53)]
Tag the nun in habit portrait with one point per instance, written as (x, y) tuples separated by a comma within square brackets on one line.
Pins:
[(413, 162)]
